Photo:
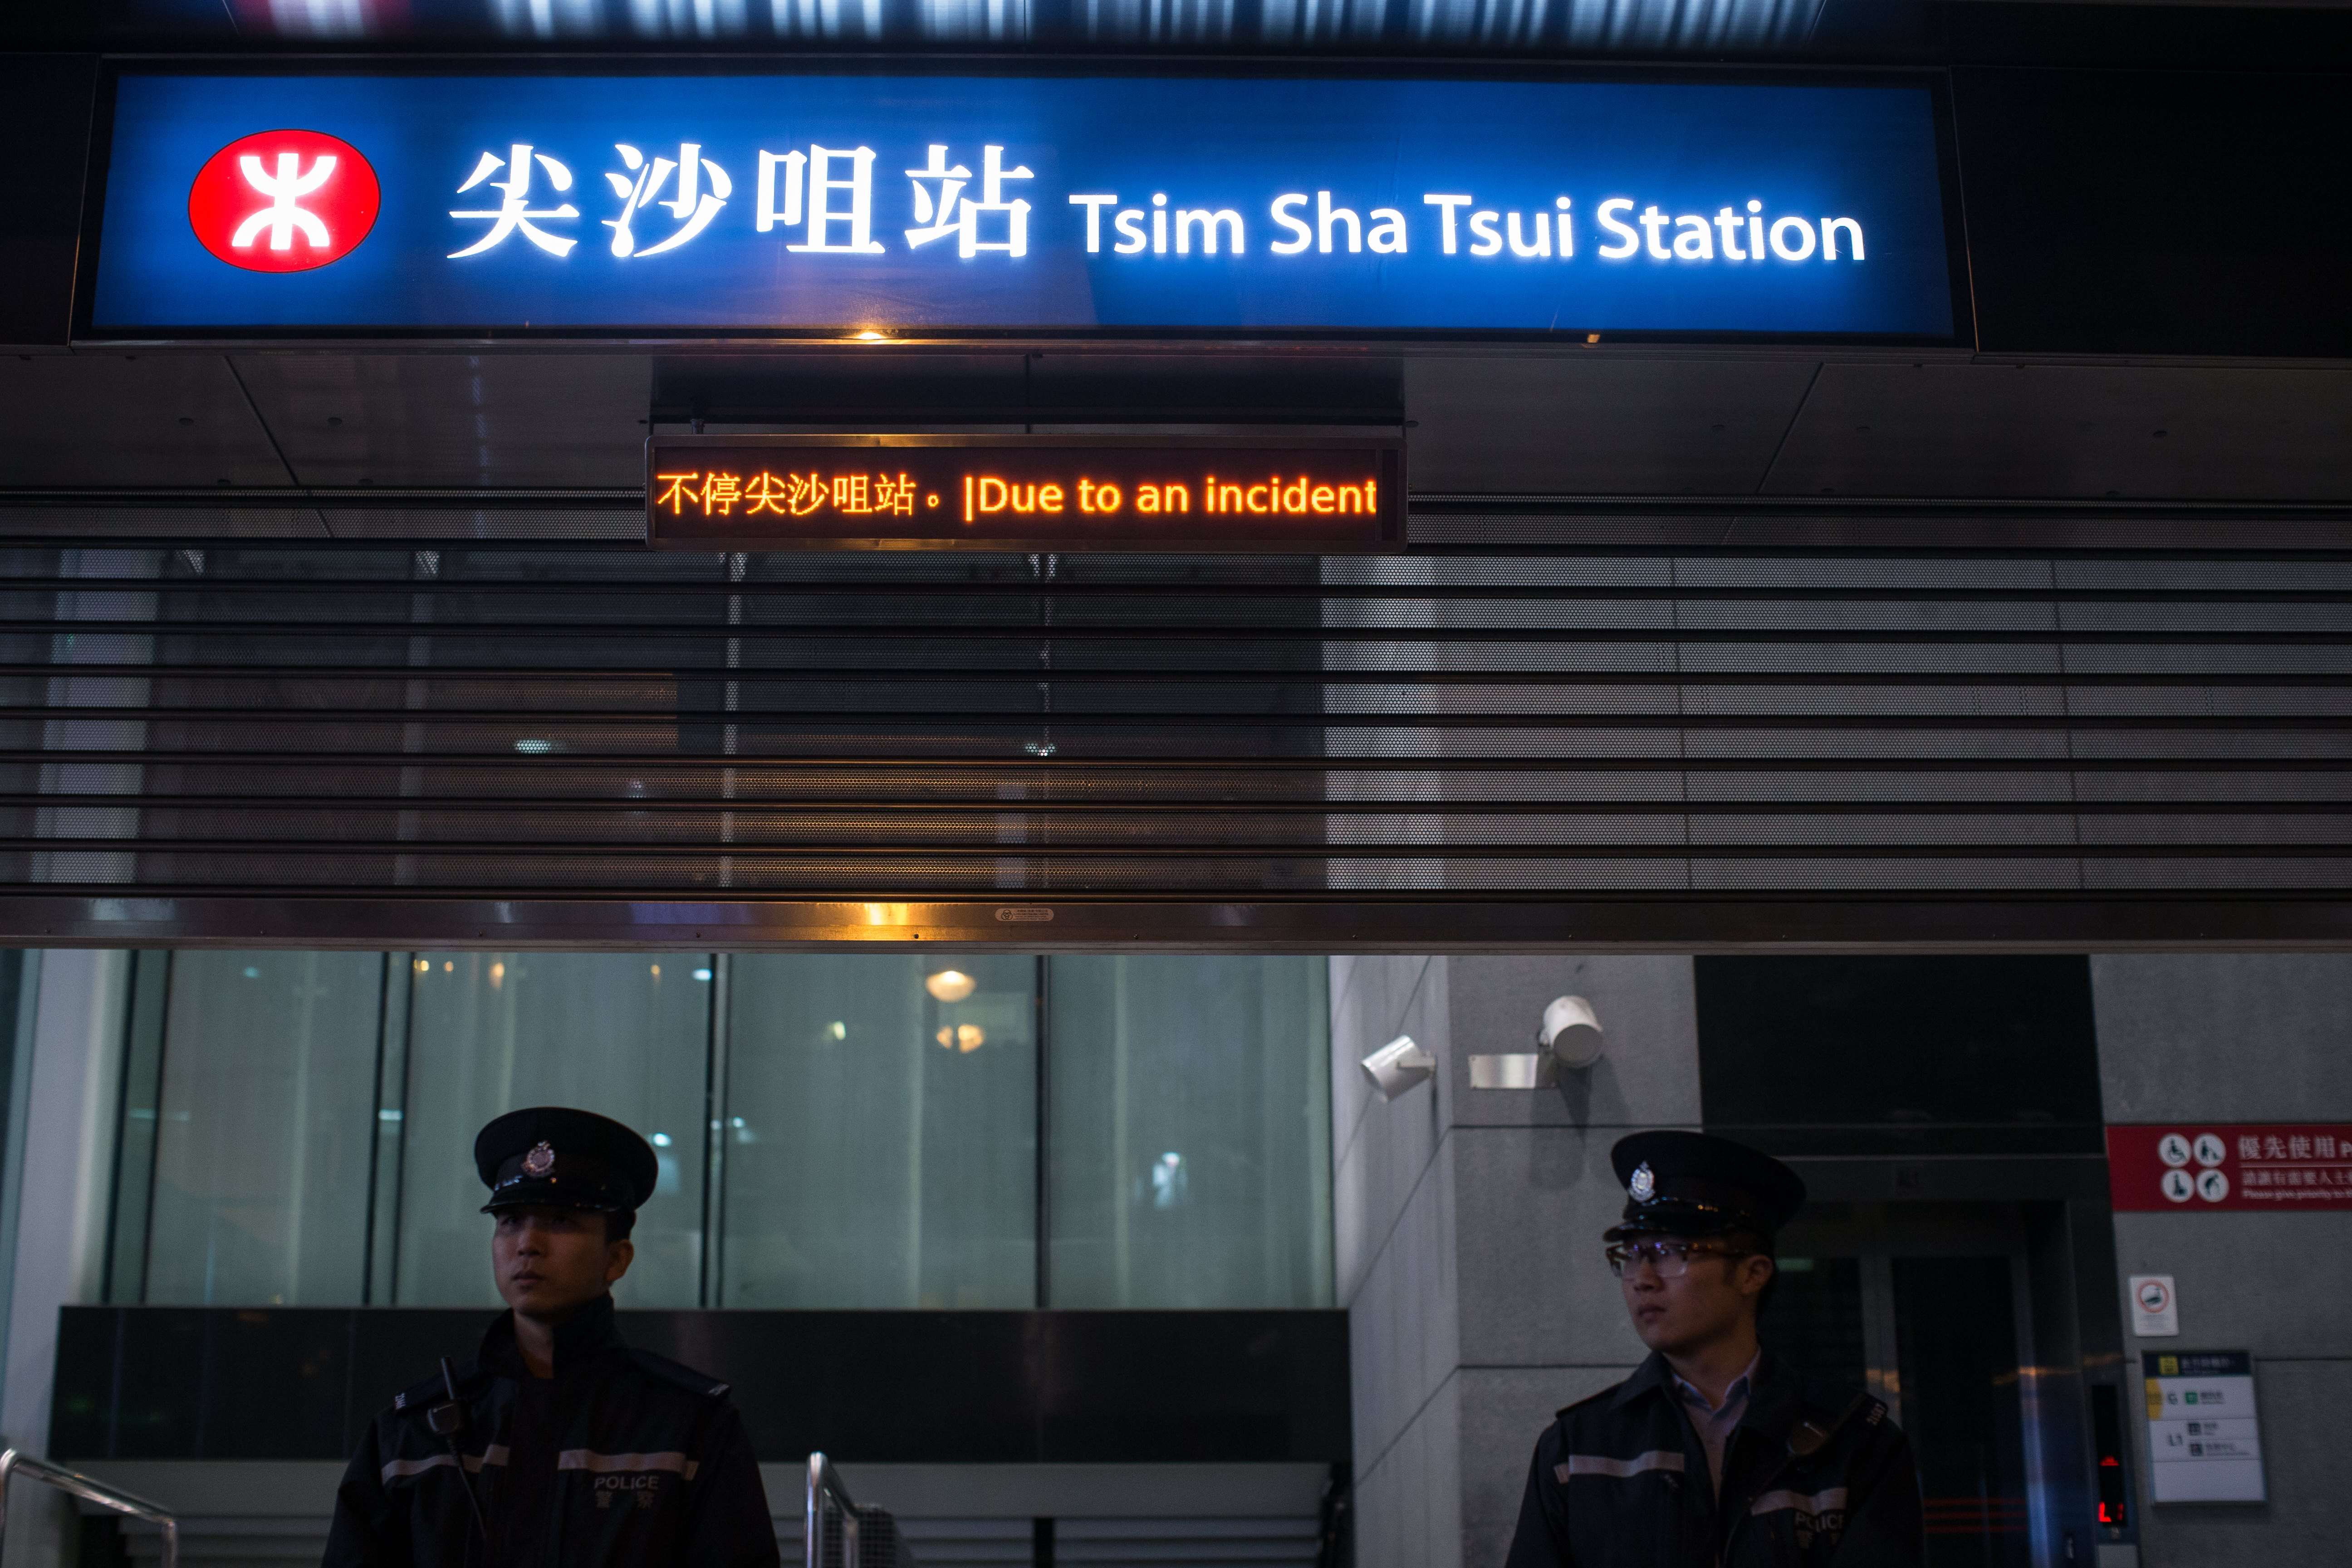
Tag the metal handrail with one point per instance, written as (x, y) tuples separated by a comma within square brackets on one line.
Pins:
[(824, 1481), (13, 1461)]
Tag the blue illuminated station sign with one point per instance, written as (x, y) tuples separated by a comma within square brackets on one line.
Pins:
[(930, 205)]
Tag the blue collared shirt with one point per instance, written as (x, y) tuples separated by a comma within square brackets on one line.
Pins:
[(1713, 1422)]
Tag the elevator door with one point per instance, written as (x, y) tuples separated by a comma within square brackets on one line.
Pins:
[(1926, 1305)]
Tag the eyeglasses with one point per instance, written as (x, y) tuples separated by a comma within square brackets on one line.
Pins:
[(1669, 1256)]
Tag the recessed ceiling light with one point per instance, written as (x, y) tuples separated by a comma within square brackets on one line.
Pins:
[(951, 984)]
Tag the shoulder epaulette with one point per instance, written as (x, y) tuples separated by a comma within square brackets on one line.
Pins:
[(1813, 1432), (1836, 1397), (1608, 1393), (684, 1377), (431, 1390)]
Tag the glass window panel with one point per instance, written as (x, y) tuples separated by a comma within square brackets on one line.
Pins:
[(625, 1035), (1192, 1132), (882, 1146), (129, 1226), (261, 1152)]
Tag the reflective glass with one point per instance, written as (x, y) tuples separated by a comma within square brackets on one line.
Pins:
[(626, 1035), (260, 1146), (881, 1141), (864, 1126), (1192, 1132)]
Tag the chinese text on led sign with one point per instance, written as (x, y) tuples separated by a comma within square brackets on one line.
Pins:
[(1081, 493)]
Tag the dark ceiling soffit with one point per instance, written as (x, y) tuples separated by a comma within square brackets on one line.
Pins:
[(2121, 921)]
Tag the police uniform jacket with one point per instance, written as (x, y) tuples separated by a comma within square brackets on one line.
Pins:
[(621, 1458), (1814, 1475)]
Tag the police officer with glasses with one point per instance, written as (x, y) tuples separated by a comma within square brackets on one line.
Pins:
[(1713, 1452), (558, 1444)]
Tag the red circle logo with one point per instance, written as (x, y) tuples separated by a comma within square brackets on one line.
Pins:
[(283, 201)]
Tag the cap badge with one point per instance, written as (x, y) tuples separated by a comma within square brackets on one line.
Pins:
[(1643, 1186), (542, 1160)]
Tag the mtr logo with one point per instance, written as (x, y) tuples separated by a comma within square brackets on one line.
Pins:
[(283, 201)]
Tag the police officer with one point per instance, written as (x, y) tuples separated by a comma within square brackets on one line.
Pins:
[(1714, 1453), (558, 1443)]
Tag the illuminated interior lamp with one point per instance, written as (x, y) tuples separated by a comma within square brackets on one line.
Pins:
[(868, 336), (949, 985), (963, 1037)]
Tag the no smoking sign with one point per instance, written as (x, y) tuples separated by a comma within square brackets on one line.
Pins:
[(2155, 1307)]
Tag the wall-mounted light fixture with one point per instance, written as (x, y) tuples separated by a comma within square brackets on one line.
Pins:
[(1398, 1067), (1570, 1038), (1571, 1031)]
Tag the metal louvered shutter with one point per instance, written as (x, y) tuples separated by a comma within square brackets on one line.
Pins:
[(1465, 748)]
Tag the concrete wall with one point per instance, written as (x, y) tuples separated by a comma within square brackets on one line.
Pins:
[(1393, 1210), (2243, 1038), (1469, 1229)]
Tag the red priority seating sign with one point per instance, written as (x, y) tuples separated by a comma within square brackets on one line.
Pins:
[(2192, 1166)]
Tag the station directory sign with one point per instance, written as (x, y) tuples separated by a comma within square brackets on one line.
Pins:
[(2204, 1438), (1330, 494), (928, 202)]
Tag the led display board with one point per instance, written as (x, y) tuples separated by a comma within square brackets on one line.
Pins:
[(1321, 496), (938, 204)]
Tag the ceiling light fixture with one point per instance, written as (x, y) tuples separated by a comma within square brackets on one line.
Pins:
[(951, 984)]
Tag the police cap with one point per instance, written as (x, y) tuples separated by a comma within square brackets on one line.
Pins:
[(1694, 1183), (551, 1156)]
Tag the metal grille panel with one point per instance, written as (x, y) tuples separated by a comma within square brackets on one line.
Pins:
[(499, 722)]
